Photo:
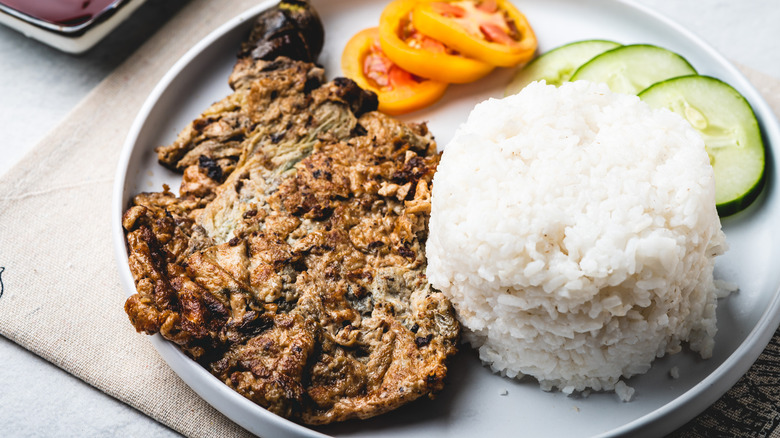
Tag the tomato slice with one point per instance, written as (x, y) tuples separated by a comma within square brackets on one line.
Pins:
[(493, 31), (420, 54), (398, 90)]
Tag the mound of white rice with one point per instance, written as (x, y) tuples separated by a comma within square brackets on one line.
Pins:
[(575, 231)]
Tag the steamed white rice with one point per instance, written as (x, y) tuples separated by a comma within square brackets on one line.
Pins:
[(575, 231)]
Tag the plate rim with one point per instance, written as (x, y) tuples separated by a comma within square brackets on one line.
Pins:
[(673, 414)]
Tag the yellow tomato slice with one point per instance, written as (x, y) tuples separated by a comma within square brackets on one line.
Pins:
[(398, 91), (493, 31), (420, 54)]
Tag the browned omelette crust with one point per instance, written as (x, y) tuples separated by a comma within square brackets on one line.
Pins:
[(299, 280)]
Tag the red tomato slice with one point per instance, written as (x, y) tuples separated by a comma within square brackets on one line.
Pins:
[(398, 91), (493, 31)]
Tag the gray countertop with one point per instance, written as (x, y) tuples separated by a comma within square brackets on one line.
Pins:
[(39, 86)]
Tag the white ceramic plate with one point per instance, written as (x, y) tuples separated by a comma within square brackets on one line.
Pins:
[(477, 402)]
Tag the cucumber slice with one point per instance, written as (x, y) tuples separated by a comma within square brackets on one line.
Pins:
[(630, 69), (730, 131), (557, 65)]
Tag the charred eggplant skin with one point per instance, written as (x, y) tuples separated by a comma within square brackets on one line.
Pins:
[(292, 28)]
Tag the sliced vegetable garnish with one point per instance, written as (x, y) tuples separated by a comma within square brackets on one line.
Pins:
[(630, 69), (730, 131), (398, 91), (421, 54), (291, 28), (493, 31), (556, 66)]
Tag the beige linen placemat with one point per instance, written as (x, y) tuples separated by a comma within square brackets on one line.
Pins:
[(61, 295)]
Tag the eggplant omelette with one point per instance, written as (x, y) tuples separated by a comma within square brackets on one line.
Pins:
[(291, 264)]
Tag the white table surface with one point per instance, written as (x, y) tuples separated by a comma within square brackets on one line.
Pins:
[(39, 86)]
